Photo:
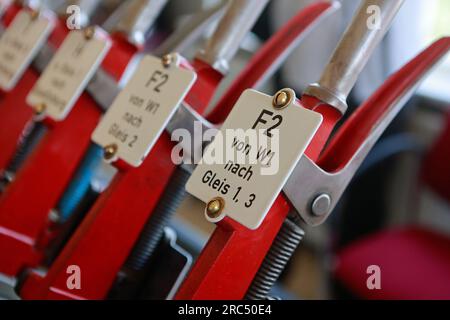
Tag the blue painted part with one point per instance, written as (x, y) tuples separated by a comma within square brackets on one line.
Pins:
[(79, 186)]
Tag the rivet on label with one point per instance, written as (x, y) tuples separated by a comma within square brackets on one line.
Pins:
[(40, 108), (89, 32), (283, 98), (34, 14), (215, 207), (110, 151), (167, 60)]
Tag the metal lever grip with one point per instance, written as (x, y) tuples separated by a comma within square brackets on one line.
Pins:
[(138, 17), (190, 32), (273, 54), (353, 52), (240, 17), (315, 189)]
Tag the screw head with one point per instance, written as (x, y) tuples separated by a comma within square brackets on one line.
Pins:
[(167, 60), (321, 205), (89, 32), (40, 108), (283, 98), (110, 151), (34, 14), (215, 207)]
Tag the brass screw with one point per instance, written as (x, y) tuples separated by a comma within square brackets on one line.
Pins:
[(89, 32), (40, 108), (215, 207), (283, 98), (34, 14), (167, 60), (110, 151)]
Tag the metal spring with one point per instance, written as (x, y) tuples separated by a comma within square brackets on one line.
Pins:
[(131, 278), (154, 229), (276, 260), (29, 139)]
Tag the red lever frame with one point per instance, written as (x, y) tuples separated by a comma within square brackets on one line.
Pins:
[(39, 184), (234, 252), (109, 227)]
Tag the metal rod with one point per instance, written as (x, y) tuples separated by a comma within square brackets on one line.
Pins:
[(190, 32), (137, 18), (240, 17), (368, 27)]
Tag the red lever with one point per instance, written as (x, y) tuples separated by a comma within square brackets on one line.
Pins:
[(14, 112), (108, 227), (355, 130), (234, 252), (45, 174)]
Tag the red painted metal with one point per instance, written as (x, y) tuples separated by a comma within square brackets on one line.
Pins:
[(234, 252), (113, 225), (14, 112), (39, 184), (355, 130)]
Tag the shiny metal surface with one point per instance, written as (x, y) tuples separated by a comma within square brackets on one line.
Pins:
[(356, 47), (240, 17), (309, 180), (138, 17)]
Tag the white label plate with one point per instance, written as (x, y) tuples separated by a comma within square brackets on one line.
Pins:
[(69, 72), (247, 185), (142, 110), (19, 45)]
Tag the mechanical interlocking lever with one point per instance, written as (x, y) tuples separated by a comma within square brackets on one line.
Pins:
[(314, 189), (25, 224), (138, 190), (236, 252), (14, 112)]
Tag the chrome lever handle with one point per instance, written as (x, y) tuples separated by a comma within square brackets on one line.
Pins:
[(190, 32), (353, 52), (239, 18), (137, 17)]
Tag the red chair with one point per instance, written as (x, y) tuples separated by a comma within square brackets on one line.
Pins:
[(414, 262)]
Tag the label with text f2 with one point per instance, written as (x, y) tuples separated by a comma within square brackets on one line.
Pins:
[(20, 43), (142, 110), (69, 72), (252, 156)]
